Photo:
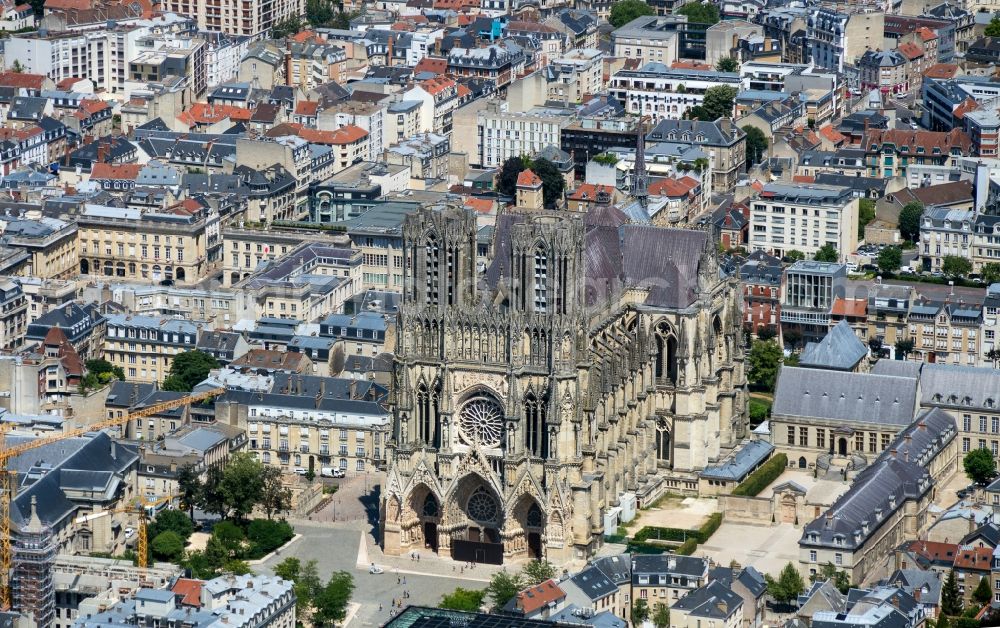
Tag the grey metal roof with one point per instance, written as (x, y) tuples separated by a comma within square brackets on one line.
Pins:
[(739, 465), (594, 583), (202, 439), (840, 349), (749, 577), (839, 396), (668, 564), (898, 368)]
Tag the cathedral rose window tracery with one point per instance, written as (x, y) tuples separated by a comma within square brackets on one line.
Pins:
[(481, 422), (483, 507)]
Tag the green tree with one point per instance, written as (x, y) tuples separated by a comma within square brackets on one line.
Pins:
[(788, 586), (840, 578), (904, 347), (319, 12), (503, 587), (275, 498), (237, 567), (980, 466), (866, 214), (993, 28), (229, 541), (640, 612), (211, 498), (330, 604), (289, 569), (826, 253), (537, 572), (171, 521), (890, 259), (627, 10), (507, 178), (942, 621), (105, 370), (764, 361), (661, 615), (993, 355), (190, 486), (909, 220), (242, 484), (342, 19), (990, 273), (189, 369), (168, 546), (553, 183), (795, 255), (266, 535), (756, 144), (956, 267), (308, 585), (700, 13), (17, 68), (287, 27), (951, 597), (717, 103), (983, 594), (876, 344), (470, 600), (727, 64)]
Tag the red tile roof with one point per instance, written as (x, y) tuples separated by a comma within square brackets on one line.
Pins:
[(849, 307), (22, 80), (589, 192), (306, 108), (926, 34), (969, 104), (66, 5), (528, 179), (974, 558), (344, 135), (122, 172), (534, 598), (91, 106), (431, 64), (673, 187), (929, 140), (438, 84), (934, 550), (690, 65), (942, 71), (189, 590), (803, 178), (68, 82), (832, 134), (480, 205), (204, 113), (910, 50)]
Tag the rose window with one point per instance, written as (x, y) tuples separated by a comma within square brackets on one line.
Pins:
[(483, 506), (481, 422)]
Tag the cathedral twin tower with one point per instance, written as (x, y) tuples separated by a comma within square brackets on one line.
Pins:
[(590, 358)]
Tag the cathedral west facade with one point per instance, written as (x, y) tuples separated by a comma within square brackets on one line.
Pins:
[(593, 357)]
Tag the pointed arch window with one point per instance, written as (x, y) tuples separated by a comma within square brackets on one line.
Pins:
[(432, 253), (541, 280)]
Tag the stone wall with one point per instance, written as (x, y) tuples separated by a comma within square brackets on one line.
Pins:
[(755, 510)]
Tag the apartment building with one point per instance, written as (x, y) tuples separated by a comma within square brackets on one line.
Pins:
[(983, 129), (889, 152), (504, 134), (50, 242), (838, 39), (246, 249), (804, 218), (649, 39), (252, 19), (144, 346), (946, 232), (946, 333), (148, 245), (888, 311), (309, 422), (884, 70), (760, 277), (576, 74), (723, 142), (666, 578), (661, 92), (13, 315)]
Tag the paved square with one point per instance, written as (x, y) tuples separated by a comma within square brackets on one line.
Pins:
[(767, 548)]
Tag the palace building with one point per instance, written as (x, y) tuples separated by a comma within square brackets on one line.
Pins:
[(591, 361)]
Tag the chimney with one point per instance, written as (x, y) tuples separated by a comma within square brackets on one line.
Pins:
[(288, 67), (388, 54)]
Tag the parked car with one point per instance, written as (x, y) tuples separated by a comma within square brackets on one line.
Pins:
[(375, 569), (332, 472), (300, 471)]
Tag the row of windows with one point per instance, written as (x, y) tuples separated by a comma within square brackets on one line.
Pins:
[(876, 441)]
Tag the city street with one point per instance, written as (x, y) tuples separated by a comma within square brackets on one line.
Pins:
[(341, 537)]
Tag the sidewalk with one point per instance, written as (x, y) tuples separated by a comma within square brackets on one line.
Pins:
[(430, 564)]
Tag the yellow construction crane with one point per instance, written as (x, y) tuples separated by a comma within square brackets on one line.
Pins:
[(8, 484)]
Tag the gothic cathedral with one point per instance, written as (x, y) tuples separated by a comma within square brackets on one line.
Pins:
[(584, 359)]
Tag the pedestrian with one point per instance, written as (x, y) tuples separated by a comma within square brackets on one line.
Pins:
[(380, 607), (418, 558)]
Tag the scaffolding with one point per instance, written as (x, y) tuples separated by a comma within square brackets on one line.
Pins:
[(34, 557)]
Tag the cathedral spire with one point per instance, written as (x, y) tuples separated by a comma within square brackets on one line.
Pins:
[(640, 181)]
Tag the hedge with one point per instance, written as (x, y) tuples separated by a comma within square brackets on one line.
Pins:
[(687, 548), (762, 477), (708, 528), (656, 533)]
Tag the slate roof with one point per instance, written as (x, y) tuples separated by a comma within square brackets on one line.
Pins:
[(715, 600), (959, 386), (749, 577), (740, 464), (594, 583), (839, 396), (840, 350), (668, 564)]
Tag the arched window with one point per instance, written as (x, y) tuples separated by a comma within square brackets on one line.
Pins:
[(423, 414), (541, 280), (535, 434), (432, 253)]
